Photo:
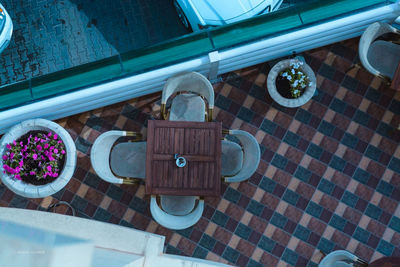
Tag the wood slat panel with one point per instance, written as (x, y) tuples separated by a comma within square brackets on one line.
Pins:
[(198, 143)]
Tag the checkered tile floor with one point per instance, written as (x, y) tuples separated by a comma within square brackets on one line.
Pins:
[(329, 177)]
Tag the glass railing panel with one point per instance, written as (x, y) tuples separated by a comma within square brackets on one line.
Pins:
[(15, 94), (321, 10), (76, 77), (167, 53), (255, 28)]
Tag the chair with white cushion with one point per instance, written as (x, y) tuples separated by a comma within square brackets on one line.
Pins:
[(239, 162), (122, 163), (342, 258), (378, 54), (180, 215), (189, 105)]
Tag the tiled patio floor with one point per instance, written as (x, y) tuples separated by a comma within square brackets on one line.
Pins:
[(329, 177)]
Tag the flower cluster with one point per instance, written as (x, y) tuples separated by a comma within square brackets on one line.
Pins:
[(39, 155), (298, 80)]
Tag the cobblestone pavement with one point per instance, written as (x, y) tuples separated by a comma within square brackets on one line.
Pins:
[(53, 35), (329, 177)]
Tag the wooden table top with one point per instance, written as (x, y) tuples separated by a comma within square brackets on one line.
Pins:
[(199, 143)]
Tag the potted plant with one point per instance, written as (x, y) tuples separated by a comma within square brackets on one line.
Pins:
[(38, 158), (291, 83)]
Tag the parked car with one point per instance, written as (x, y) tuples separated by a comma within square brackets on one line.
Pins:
[(200, 14), (6, 28)]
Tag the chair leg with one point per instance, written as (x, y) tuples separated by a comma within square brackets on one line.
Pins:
[(352, 67)]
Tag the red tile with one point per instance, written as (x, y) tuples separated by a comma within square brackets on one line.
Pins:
[(294, 154), (222, 235), (305, 190), (305, 249), (247, 189), (269, 260), (329, 144), (364, 252), (293, 213), (282, 177), (317, 167), (316, 226), (340, 238), (329, 202), (186, 246), (340, 121), (282, 119), (352, 215), (281, 237), (234, 211), (257, 224), (245, 248), (306, 132)]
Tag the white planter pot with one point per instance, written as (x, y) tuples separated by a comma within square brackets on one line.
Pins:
[(288, 102), (39, 191)]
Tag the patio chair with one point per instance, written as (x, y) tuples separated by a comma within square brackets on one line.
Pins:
[(238, 163), (122, 164), (380, 55), (341, 258), (189, 104), (175, 222)]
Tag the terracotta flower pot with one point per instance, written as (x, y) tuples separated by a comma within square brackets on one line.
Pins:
[(290, 102), (39, 191)]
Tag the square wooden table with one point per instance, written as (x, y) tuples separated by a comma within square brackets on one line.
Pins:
[(199, 143)]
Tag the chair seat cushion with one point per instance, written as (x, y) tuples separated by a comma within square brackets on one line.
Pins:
[(187, 107), (384, 57), (231, 158), (129, 159), (178, 205)]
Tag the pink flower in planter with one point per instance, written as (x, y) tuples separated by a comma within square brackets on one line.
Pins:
[(8, 146), (43, 158), (5, 157), (63, 151), (17, 169), (39, 147), (51, 148), (15, 143), (55, 136), (36, 139), (51, 157), (49, 134), (21, 163), (56, 150), (18, 177), (46, 146), (34, 156), (11, 155), (59, 142), (21, 143), (49, 168), (32, 173), (55, 174)]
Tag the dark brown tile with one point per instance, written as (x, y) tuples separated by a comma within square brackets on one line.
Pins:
[(352, 99), (352, 156), (305, 190), (317, 109), (271, 142), (364, 192)]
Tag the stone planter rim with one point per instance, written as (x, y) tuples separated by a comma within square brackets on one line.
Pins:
[(39, 191), (287, 102)]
